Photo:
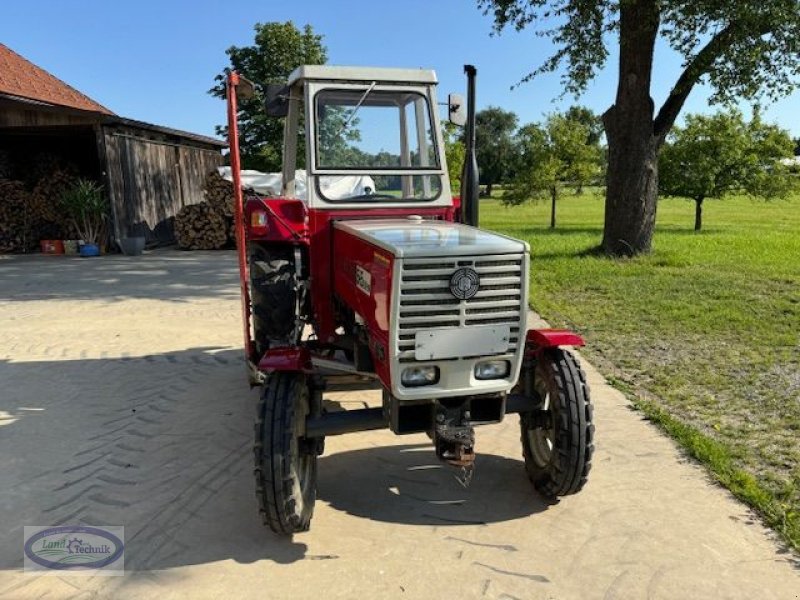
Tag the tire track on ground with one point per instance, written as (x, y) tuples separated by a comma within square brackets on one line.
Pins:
[(128, 474)]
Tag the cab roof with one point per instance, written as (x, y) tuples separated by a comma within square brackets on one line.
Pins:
[(380, 74)]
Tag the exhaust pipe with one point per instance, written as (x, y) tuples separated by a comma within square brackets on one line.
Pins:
[(469, 175)]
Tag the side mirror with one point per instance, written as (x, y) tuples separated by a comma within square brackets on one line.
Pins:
[(277, 100), (457, 109)]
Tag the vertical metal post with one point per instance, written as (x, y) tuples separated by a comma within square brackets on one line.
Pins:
[(233, 142), (422, 143), (290, 124), (406, 182), (469, 175)]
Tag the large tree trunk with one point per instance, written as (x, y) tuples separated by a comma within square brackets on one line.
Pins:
[(489, 189), (698, 214), (632, 178), (553, 195)]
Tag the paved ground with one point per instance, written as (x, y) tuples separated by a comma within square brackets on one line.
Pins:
[(123, 401)]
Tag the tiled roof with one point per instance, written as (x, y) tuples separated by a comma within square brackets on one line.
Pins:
[(20, 77)]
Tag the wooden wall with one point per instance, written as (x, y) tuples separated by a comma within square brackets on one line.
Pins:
[(19, 114), (150, 178)]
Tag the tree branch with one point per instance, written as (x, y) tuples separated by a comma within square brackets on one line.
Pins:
[(696, 68)]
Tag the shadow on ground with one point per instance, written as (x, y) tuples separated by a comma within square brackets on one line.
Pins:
[(408, 484), (162, 444), (167, 275)]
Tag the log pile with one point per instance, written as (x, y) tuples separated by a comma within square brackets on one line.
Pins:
[(29, 201), (209, 224), (14, 221), (47, 192), (219, 194), (200, 227)]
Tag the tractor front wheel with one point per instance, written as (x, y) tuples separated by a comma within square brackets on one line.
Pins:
[(286, 462), (274, 289), (557, 439)]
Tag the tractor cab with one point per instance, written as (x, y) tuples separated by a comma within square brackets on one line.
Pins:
[(367, 138), (365, 272)]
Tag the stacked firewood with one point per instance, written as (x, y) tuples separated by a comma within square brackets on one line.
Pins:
[(29, 202), (46, 195), (200, 227), (219, 194), (209, 224), (27, 217), (15, 230)]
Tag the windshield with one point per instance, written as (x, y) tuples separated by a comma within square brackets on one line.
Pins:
[(370, 132)]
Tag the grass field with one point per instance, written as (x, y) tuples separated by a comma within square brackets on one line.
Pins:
[(703, 334)]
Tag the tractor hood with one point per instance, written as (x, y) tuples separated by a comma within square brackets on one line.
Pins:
[(415, 237)]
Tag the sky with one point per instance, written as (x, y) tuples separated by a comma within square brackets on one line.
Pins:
[(155, 60)]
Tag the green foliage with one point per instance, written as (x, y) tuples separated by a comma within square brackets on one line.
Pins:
[(277, 50), (550, 156), (537, 168), (454, 154), (716, 155), (768, 177), (746, 48), (591, 121), (705, 159), (86, 205), (336, 129), (494, 144)]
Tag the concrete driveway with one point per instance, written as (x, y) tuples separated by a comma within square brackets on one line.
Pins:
[(123, 401)]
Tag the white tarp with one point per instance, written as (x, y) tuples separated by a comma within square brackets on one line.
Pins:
[(334, 187), (791, 162)]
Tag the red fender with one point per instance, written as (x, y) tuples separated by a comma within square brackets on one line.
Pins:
[(285, 359), (539, 339)]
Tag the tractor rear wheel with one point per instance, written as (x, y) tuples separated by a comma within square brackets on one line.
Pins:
[(286, 462), (557, 439)]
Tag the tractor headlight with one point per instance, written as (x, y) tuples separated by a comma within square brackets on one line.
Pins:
[(419, 376), (492, 369)]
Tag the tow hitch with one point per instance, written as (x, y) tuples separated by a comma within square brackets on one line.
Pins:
[(454, 439)]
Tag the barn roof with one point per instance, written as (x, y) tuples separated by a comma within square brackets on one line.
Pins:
[(21, 78)]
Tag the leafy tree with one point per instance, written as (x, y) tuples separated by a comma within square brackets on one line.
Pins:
[(550, 157), (494, 145), (715, 155), (454, 153), (768, 177), (594, 125), (586, 116), (743, 48), (277, 50), (537, 170)]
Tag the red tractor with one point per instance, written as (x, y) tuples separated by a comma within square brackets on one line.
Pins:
[(366, 272)]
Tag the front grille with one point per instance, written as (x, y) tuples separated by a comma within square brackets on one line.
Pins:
[(426, 301)]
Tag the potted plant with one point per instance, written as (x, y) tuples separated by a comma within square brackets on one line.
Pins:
[(86, 207)]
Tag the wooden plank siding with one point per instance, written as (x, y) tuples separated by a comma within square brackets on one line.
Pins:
[(26, 114), (151, 178)]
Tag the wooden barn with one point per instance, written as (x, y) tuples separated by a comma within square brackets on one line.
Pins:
[(150, 172)]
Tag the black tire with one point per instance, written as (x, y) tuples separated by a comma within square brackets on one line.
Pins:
[(558, 444), (286, 463), (273, 289)]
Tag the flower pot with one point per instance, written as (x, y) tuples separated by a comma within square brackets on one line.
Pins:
[(52, 246), (132, 246), (90, 250)]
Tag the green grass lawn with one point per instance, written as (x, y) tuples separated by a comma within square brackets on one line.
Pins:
[(703, 333)]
